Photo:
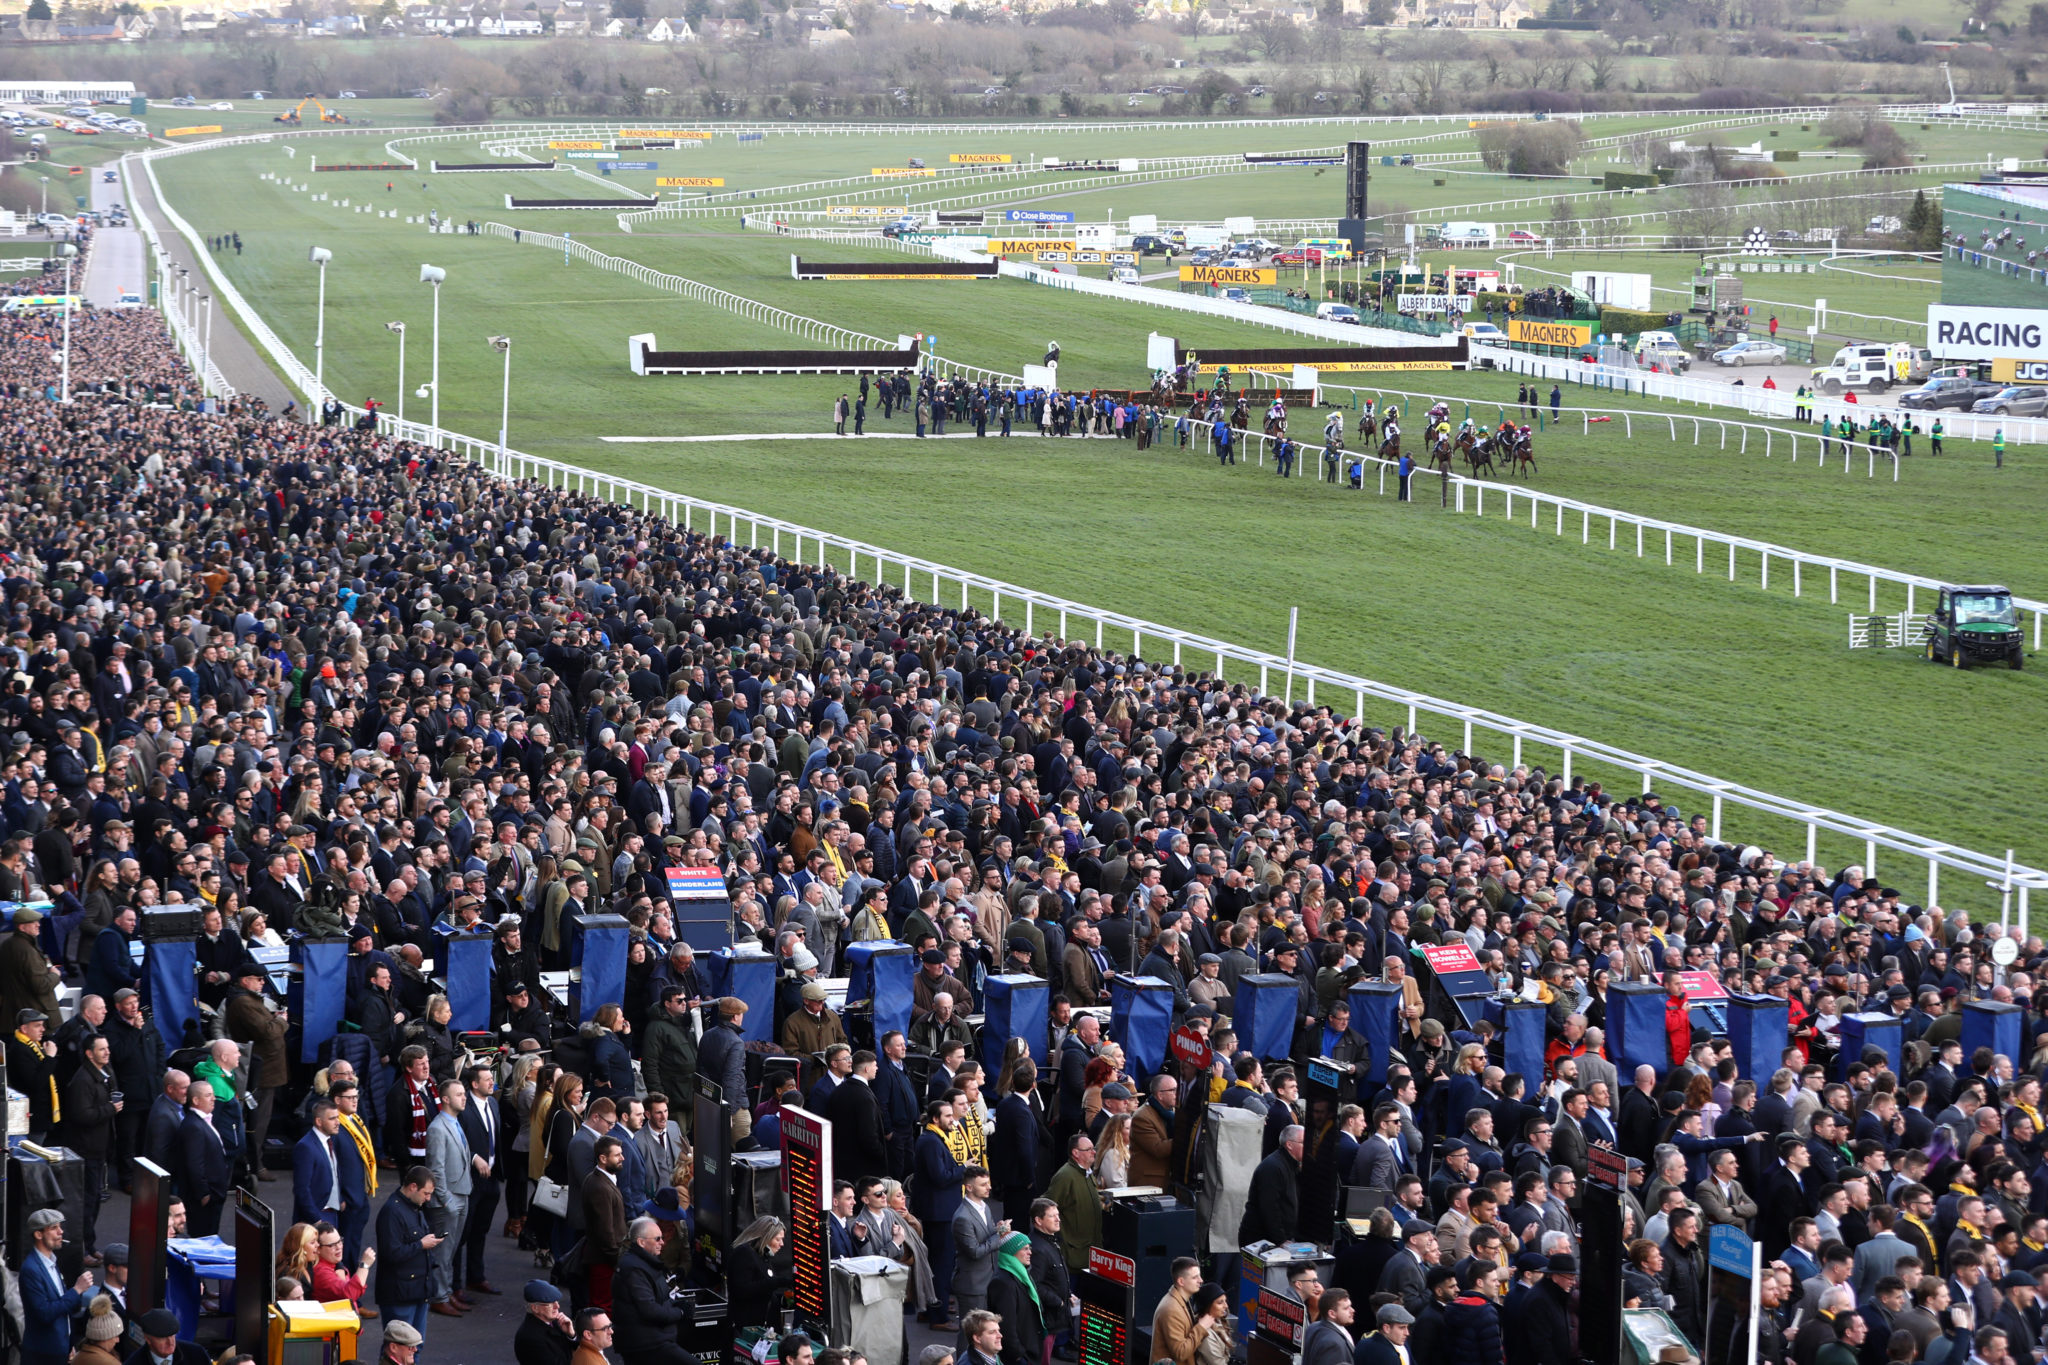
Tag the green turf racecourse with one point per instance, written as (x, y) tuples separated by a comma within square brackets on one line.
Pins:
[(1724, 678)]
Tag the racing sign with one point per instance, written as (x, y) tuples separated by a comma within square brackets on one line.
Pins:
[(902, 170), (1543, 332), (981, 158), (1052, 257), (673, 134), (1025, 246), (1190, 1046), (1970, 332), (574, 146), (669, 182), (866, 210), (592, 156), (1229, 274), (1037, 216), (188, 132)]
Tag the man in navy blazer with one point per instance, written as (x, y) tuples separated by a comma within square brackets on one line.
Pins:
[(47, 1307), (323, 1160), (202, 1167), (935, 1199)]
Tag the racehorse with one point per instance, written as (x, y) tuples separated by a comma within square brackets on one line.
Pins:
[(1390, 449), (1521, 454), (1440, 454), (1478, 451)]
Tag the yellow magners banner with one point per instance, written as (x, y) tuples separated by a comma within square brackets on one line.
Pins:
[(689, 181), (901, 170), (188, 132), (1028, 246), (673, 134), (981, 158), (1229, 274), (575, 146), (1541, 332)]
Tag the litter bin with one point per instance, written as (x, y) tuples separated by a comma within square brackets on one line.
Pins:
[(867, 1306)]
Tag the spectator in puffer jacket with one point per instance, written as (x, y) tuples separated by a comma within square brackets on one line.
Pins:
[(1472, 1321)]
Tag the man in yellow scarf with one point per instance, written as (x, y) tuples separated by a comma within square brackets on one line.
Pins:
[(32, 1069), (347, 1097)]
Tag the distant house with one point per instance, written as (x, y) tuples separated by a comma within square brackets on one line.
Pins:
[(822, 37), (570, 21), (670, 31), (726, 30), (510, 24)]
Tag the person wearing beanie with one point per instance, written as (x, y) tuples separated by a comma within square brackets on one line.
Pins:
[(102, 1334)]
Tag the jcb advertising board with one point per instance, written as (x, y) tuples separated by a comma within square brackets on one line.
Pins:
[(1028, 246), (1542, 332), (1241, 275)]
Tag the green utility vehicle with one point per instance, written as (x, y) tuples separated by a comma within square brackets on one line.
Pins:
[(1974, 626)]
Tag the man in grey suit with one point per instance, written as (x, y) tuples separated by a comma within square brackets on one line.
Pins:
[(1378, 1162), (1721, 1196), (597, 1123), (660, 1141), (1594, 1066), (1567, 1135), (976, 1235), (1404, 1270), (1879, 1256), (449, 1158)]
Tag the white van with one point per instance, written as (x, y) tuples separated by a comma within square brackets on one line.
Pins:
[(1338, 312), (1664, 350), (1872, 366), (1124, 274)]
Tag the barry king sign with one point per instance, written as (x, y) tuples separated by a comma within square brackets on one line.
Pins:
[(1959, 332)]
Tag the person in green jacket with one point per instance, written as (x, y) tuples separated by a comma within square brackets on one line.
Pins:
[(1073, 1189), (1827, 431), (1998, 449), (1934, 435), (668, 1053)]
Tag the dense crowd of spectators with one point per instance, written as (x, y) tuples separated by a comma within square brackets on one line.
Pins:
[(311, 679)]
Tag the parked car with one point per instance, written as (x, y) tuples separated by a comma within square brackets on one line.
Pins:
[(1338, 312), (1237, 295), (1484, 331), (1751, 351), (2019, 401), (108, 178), (1525, 237), (1244, 251), (1124, 274), (1293, 256), (1956, 391), (1147, 244)]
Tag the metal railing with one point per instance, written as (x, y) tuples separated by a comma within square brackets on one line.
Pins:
[(1757, 400)]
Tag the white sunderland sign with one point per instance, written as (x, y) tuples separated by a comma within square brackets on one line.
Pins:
[(1960, 332)]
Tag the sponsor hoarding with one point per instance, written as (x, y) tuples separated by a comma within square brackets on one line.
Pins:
[(1229, 274), (1542, 332)]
